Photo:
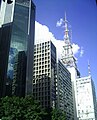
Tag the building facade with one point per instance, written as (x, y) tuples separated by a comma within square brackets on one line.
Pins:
[(16, 46), (86, 99), (64, 91), (44, 75)]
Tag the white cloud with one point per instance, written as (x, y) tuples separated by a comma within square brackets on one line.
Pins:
[(59, 23), (81, 52), (43, 34), (75, 48)]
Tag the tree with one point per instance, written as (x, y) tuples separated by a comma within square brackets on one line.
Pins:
[(15, 108), (58, 115)]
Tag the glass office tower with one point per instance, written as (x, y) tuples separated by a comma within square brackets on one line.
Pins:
[(18, 22)]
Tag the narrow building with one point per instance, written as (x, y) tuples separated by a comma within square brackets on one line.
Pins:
[(64, 91), (44, 75)]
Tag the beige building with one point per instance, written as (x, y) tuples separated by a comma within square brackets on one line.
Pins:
[(86, 98)]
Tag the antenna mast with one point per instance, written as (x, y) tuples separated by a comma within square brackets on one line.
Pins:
[(89, 71)]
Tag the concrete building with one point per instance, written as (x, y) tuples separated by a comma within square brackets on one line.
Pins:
[(62, 80), (17, 21), (64, 91), (86, 98), (69, 61), (44, 75)]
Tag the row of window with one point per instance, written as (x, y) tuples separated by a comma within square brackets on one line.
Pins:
[(41, 62), (42, 51), (41, 70), (40, 48), (41, 58), (40, 83), (42, 67), (82, 80), (37, 54), (42, 44)]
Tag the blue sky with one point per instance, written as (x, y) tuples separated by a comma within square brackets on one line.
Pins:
[(82, 16)]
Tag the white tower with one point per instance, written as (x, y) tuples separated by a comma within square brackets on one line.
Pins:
[(67, 54), (70, 62)]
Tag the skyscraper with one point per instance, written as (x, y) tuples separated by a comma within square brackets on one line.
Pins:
[(44, 75), (84, 97), (69, 61), (17, 21), (64, 91)]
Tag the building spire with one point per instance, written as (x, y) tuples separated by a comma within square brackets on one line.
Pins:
[(67, 54), (66, 31), (65, 17), (89, 71)]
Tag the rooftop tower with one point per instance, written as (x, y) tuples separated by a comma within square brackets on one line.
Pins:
[(67, 55)]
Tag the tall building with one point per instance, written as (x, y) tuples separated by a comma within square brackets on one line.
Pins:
[(69, 61), (44, 75), (86, 99), (17, 22), (64, 91)]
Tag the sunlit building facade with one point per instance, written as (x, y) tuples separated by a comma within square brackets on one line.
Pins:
[(44, 75), (86, 99), (16, 46)]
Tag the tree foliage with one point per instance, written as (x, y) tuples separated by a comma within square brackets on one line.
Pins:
[(58, 115), (16, 108)]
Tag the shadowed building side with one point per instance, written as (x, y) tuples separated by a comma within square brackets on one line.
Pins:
[(64, 91), (5, 36), (19, 75)]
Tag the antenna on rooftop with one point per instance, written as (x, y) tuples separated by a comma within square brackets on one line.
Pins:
[(89, 71)]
